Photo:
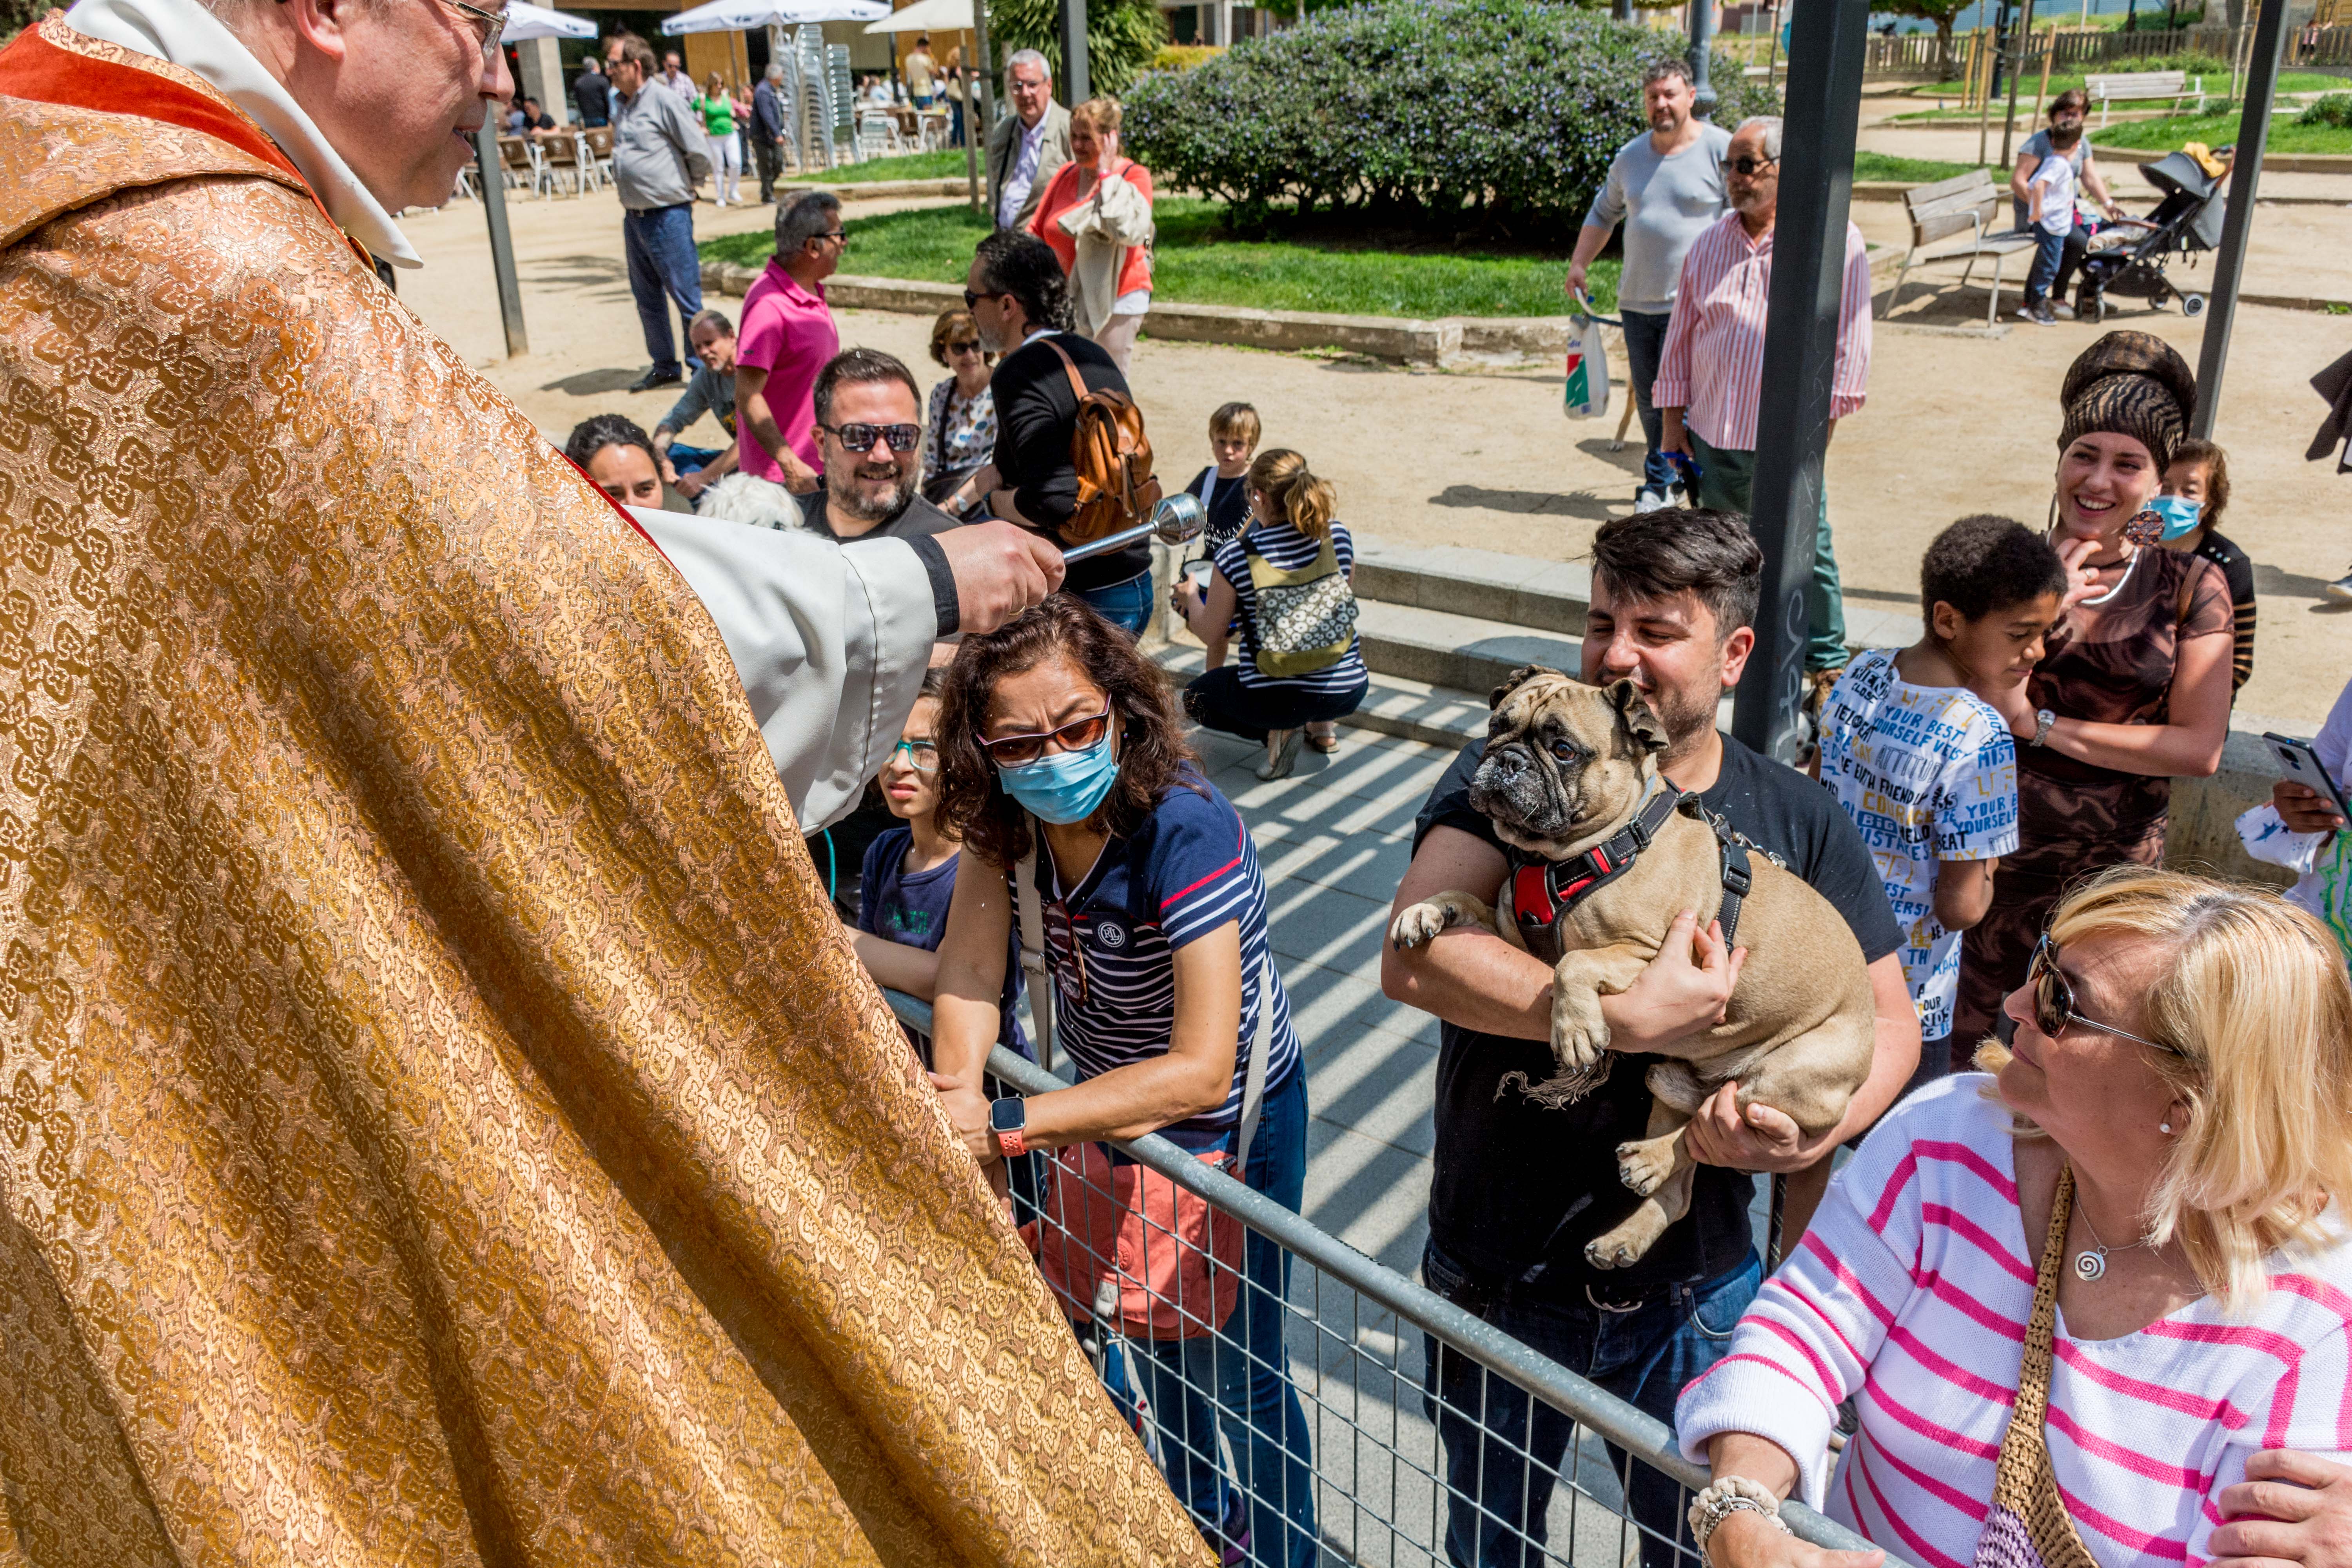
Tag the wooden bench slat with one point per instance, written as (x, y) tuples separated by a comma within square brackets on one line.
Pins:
[(1919, 195)]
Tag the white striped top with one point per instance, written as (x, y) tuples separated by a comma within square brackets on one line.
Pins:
[(1110, 943), (1910, 1293), (1712, 367), (1285, 549)]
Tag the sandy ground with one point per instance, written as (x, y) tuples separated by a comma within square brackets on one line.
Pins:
[(1955, 424)]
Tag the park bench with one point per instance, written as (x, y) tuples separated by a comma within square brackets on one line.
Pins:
[(2144, 87), (1965, 203)]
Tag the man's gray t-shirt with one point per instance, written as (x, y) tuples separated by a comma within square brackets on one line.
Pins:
[(1664, 202)]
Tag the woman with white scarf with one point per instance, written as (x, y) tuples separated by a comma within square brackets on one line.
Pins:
[(1096, 214)]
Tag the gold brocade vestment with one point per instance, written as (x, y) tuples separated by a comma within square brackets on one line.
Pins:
[(440, 1120)]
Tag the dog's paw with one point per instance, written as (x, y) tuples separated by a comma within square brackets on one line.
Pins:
[(1644, 1165), (1624, 1247), (1580, 1035), (1419, 925)]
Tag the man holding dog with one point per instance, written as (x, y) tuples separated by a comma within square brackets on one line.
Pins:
[(1674, 594)]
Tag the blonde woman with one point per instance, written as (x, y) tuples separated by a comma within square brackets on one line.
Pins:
[(2131, 1233), (1284, 580), (1096, 214)]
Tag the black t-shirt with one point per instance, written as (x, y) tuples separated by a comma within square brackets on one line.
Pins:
[(1036, 414), (919, 517), (2238, 572), (1228, 506), (1518, 1189)]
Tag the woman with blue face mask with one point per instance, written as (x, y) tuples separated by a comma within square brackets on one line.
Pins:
[(1062, 756)]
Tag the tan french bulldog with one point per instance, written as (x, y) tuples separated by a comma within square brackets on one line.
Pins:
[(1567, 767)]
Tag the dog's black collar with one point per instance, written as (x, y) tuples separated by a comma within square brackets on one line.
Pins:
[(1544, 893)]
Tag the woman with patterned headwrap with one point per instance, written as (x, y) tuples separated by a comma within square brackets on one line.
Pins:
[(2133, 689)]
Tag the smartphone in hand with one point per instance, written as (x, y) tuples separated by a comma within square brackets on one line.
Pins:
[(2297, 761)]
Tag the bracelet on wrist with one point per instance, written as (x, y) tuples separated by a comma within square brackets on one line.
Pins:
[(1730, 1494)]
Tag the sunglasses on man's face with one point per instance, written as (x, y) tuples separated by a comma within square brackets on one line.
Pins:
[(1017, 751), (861, 437), (1749, 166), (2054, 1001), (972, 297)]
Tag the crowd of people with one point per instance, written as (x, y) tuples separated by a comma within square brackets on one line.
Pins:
[(1969, 786)]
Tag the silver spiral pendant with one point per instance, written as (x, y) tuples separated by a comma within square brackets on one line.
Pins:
[(2089, 1266)]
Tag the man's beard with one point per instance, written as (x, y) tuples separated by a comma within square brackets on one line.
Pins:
[(989, 340), (868, 508), (1686, 717)]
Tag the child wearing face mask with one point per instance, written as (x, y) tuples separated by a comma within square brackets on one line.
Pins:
[(2195, 493), (1915, 747)]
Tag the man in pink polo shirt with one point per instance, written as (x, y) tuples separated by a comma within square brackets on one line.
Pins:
[(788, 335)]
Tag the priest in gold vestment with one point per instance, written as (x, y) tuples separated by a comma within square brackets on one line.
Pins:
[(440, 1121)]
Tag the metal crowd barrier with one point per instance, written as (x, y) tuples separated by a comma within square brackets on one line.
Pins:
[(1357, 1342)]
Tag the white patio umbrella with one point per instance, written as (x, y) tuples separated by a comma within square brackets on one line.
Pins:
[(526, 22), (743, 15), (927, 17)]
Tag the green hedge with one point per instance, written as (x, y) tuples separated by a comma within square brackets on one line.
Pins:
[(1427, 112)]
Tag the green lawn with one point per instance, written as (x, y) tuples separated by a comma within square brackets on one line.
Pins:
[(944, 166), (1910, 171), (1194, 262), (2286, 135), (2217, 85)]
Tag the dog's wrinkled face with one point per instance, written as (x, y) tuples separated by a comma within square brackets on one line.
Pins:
[(1565, 763)]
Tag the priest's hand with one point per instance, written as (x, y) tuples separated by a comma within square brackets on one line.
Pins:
[(1000, 570)]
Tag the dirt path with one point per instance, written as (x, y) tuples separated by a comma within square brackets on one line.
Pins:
[(1954, 423)]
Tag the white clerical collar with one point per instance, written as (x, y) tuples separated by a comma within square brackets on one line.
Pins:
[(189, 36)]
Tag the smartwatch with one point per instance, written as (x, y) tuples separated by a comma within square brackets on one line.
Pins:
[(2043, 720), (1009, 1119)]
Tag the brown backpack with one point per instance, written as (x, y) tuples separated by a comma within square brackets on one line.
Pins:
[(1117, 488)]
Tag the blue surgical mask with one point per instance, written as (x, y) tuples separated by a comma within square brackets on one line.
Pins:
[(2179, 513), (1062, 787)]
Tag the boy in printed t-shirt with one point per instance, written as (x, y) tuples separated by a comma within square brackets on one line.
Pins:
[(1925, 764)]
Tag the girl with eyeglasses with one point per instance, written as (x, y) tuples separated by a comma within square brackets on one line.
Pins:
[(2072, 1297), (1062, 759), (910, 877), (960, 425)]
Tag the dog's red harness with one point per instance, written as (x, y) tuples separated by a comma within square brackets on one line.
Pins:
[(1544, 893)]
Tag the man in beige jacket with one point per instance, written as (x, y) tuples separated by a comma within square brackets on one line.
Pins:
[(1027, 145)]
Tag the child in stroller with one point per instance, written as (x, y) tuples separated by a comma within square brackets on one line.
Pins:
[(2127, 258)]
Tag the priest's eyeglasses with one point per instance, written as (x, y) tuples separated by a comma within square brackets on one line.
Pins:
[(1017, 751), (497, 21), (861, 437), (2054, 1002)]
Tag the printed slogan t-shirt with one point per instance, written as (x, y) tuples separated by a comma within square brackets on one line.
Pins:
[(1928, 773)]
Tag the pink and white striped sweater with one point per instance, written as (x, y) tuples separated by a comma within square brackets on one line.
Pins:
[(1911, 1292)]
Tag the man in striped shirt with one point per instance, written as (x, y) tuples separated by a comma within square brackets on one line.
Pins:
[(1711, 376)]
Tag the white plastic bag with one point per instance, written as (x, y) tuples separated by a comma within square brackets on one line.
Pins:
[(1585, 393)]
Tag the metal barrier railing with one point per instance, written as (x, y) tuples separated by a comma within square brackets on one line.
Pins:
[(1295, 1421)]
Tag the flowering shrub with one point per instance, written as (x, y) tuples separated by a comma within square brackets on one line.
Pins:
[(1426, 112)]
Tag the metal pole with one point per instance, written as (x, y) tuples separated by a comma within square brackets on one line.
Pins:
[(984, 79), (502, 261), (1825, 55), (2016, 69), (1702, 33), (1073, 52), (2245, 173), (970, 138)]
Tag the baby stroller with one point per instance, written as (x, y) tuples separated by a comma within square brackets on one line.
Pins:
[(2127, 258)]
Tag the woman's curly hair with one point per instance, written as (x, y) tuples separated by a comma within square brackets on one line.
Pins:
[(1152, 746)]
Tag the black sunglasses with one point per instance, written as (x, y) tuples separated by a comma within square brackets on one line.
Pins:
[(2054, 1001), (972, 298), (1016, 750), (861, 437), (1749, 165), (970, 347)]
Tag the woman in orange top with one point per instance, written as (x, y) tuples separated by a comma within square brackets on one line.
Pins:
[(1096, 214)]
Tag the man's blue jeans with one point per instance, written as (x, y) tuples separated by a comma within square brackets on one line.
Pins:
[(662, 259), (1126, 606), (1495, 1513), (1247, 1370), (1645, 343)]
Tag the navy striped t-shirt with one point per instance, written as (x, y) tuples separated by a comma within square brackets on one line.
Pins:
[(1189, 870), (1283, 547)]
